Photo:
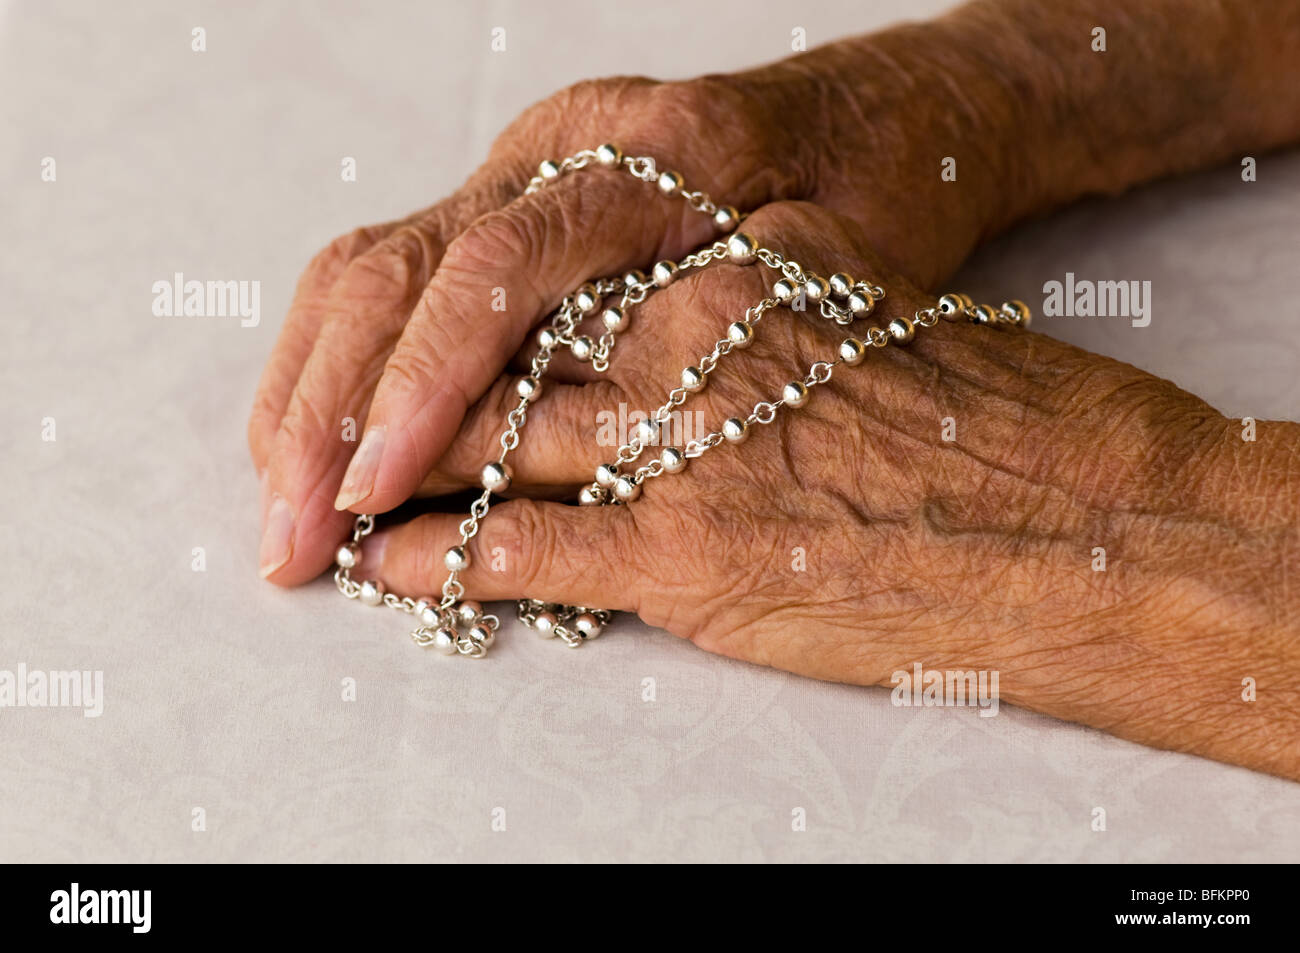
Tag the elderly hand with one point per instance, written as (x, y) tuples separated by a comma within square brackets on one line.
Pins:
[(849, 538)]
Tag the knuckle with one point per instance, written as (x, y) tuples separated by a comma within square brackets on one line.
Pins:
[(396, 269)]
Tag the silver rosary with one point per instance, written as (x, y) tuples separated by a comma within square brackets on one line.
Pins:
[(456, 625)]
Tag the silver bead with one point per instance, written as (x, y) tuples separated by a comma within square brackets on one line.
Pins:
[(583, 348), (1018, 312), (469, 611), (529, 388), (587, 299), (841, 284), (549, 170), (348, 556), (587, 626), (647, 431), (861, 304), (591, 495), (544, 625), (740, 334), (456, 559), (606, 474), (547, 338), (741, 248), (951, 307), (664, 273), (483, 635), (673, 460), (901, 330), (670, 182), (633, 277), (816, 288), (626, 489), (496, 476), (444, 640), (967, 302), (726, 218), (983, 314), (794, 394), (372, 592), (614, 319), (785, 290), (609, 155), (693, 380), (735, 429), (426, 610), (852, 351)]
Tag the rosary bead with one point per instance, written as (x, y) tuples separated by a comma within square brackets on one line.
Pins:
[(841, 284), (693, 380), (348, 556), (634, 277), (741, 248), (816, 288), (583, 348), (785, 290), (469, 611), (587, 299), (547, 338), (647, 431), (794, 394), (609, 155), (1017, 311), (588, 626), (726, 218), (483, 635), (670, 182), (444, 640), (372, 592), (861, 304), (852, 351), (983, 314), (951, 307), (457, 559), (606, 474), (549, 170), (426, 610), (529, 388), (673, 460), (544, 625), (901, 330), (591, 496), (497, 476), (967, 302), (740, 334), (614, 319), (626, 489), (664, 273), (735, 429)]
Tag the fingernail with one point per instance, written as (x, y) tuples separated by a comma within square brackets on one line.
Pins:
[(277, 538), (359, 481)]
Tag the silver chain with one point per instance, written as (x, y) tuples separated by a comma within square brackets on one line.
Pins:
[(453, 624)]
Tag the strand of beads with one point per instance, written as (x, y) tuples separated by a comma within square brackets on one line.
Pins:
[(453, 624)]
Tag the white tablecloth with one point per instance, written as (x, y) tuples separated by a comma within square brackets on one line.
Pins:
[(224, 694)]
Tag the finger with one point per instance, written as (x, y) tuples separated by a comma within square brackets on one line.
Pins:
[(524, 549), (568, 431), (298, 335), (361, 321), (523, 258)]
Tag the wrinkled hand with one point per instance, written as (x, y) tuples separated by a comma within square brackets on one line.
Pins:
[(849, 538), (394, 326)]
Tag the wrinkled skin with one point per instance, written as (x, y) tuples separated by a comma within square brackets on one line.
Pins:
[(970, 553)]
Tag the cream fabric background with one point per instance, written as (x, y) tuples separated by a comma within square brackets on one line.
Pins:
[(224, 693)]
